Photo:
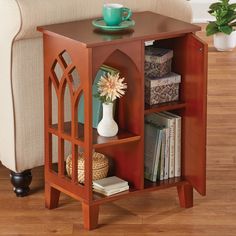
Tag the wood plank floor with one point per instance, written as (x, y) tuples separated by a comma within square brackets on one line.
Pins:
[(156, 213)]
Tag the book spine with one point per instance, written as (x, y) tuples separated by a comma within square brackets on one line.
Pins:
[(178, 147), (163, 144), (167, 154), (156, 166), (172, 149), (150, 146), (111, 192)]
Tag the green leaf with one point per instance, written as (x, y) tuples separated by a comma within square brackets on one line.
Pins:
[(225, 2), (211, 29), (226, 29), (215, 6), (211, 12), (232, 6), (225, 14)]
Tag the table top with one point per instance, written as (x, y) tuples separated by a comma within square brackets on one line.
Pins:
[(148, 26)]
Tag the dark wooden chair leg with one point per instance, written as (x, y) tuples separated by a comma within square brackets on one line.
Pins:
[(90, 216), (21, 182), (52, 196), (185, 193)]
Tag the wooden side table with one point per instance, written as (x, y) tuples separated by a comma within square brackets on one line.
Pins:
[(87, 49)]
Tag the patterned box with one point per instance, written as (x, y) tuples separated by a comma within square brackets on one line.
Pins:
[(157, 61), (160, 90)]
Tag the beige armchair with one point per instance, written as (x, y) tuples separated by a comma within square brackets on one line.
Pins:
[(21, 76)]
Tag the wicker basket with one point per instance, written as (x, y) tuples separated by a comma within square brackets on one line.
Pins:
[(100, 166)]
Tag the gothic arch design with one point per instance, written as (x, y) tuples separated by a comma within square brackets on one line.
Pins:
[(64, 75), (128, 66)]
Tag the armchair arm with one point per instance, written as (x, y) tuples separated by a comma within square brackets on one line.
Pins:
[(9, 27), (45, 12)]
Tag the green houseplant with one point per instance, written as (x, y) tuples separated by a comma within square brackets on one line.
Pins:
[(223, 27)]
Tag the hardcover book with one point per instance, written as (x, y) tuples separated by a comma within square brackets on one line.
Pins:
[(162, 155), (109, 183), (111, 191), (162, 120), (152, 151), (167, 154), (178, 125)]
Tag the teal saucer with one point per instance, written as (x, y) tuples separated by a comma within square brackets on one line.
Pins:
[(100, 24)]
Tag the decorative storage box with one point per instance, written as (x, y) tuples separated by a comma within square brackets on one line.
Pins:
[(157, 61), (100, 166), (160, 90)]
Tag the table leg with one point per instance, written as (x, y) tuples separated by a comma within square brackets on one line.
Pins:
[(51, 196), (185, 193), (90, 215)]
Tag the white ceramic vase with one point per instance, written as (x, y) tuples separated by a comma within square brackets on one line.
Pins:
[(107, 127), (225, 42)]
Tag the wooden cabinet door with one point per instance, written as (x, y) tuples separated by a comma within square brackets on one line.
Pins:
[(190, 61), (194, 92)]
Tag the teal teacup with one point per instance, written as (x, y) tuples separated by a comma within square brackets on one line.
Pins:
[(114, 13)]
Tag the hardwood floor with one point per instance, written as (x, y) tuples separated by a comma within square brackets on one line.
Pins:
[(156, 213)]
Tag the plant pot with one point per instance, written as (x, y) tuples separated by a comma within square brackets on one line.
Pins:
[(107, 127), (225, 42)]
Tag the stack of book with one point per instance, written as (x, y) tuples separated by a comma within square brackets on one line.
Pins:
[(162, 146), (110, 185)]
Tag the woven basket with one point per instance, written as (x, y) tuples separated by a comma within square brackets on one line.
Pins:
[(100, 166)]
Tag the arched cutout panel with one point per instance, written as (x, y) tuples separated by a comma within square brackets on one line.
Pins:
[(65, 58), (79, 109), (54, 158), (54, 106), (57, 71), (65, 106), (74, 77), (67, 152), (68, 85)]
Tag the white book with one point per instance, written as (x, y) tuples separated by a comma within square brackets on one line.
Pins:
[(110, 183), (163, 120), (178, 121), (110, 192), (171, 122)]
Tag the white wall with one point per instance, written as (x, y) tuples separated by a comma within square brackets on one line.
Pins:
[(200, 10)]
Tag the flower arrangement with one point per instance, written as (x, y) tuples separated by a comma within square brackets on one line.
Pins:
[(110, 87)]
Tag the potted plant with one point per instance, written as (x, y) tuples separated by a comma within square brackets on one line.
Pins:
[(110, 87), (223, 27)]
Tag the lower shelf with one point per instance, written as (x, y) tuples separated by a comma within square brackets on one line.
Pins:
[(148, 186), (77, 190)]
